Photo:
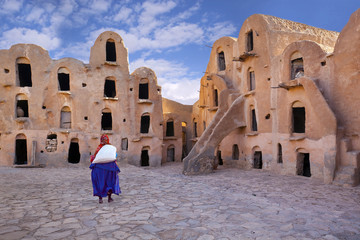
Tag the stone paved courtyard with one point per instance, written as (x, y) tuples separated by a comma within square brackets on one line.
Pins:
[(161, 203)]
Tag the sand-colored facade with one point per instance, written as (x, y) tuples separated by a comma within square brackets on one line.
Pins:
[(281, 97), (53, 112)]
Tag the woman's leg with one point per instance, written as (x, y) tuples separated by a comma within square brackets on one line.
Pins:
[(109, 196), (100, 200)]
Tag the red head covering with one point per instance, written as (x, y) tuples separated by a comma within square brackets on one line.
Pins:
[(103, 141)]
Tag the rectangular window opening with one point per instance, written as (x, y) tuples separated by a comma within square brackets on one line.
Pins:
[(24, 71), (109, 89), (110, 52), (143, 91), (170, 129), (22, 108), (106, 121), (253, 121), (145, 124), (298, 119), (64, 81)]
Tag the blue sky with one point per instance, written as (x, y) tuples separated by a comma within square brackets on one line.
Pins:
[(171, 37)]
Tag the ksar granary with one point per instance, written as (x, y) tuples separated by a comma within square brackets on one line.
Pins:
[(283, 97)]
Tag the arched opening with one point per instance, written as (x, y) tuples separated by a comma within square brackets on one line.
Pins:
[(257, 158), (65, 118), (23, 69), (106, 119), (20, 150), (144, 89), (279, 155), (251, 77), (74, 153), (145, 123), (298, 117), (109, 88), (22, 109), (170, 154), (110, 50), (221, 61), (249, 41), (253, 120), (297, 65), (170, 128), (235, 152), (64, 79), (144, 157), (303, 164)]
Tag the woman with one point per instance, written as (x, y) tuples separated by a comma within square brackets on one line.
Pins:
[(104, 176)]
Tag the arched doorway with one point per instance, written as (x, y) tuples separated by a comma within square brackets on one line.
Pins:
[(170, 154), (20, 150), (74, 153)]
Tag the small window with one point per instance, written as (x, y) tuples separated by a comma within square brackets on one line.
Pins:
[(145, 123), (279, 156), (235, 152), (110, 51), (216, 98), (64, 79), (204, 125), (253, 121), (51, 143), (221, 59), (65, 118), (106, 120), (249, 41), (109, 88), (23, 72), (144, 91), (195, 129), (297, 68), (124, 144), (298, 119), (251, 80), (22, 108), (170, 128)]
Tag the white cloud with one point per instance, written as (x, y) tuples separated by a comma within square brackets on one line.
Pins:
[(219, 30), (176, 81), (100, 5), (35, 15), (25, 35), (11, 5), (123, 15)]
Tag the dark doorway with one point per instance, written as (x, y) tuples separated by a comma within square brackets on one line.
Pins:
[(106, 121), (64, 81), (253, 121), (303, 165), (110, 51), (258, 159), (298, 119), (145, 124), (170, 154), (218, 156), (24, 71), (109, 88), (144, 158), (74, 153), (250, 41), (22, 108), (143, 91), (170, 128), (221, 59), (279, 157), (195, 129), (20, 151), (235, 152)]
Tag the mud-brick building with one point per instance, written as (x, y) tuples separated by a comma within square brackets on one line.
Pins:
[(53, 112), (283, 97)]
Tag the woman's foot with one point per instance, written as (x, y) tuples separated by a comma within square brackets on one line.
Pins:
[(100, 200), (109, 196)]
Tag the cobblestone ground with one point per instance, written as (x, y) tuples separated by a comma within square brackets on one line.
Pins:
[(161, 203)]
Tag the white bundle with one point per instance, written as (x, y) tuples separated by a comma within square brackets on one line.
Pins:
[(106, 154)]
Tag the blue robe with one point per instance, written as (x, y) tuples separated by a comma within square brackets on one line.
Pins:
[(104, 177)]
